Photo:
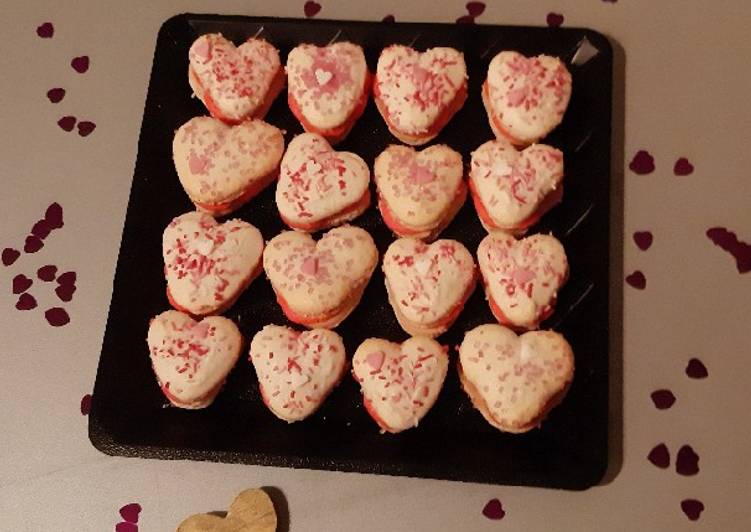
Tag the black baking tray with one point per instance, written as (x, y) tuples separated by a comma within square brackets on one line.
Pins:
[(453, 441)]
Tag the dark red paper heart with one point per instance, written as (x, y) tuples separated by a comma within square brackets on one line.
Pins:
[(47, 273), (475, 9), (554, 20), (692, 508), (65, 292), (86, 404), (9, 256), (33, 244), (687, 461), (696, 369), (41, 229), (54, 215), (80, 64), (659, 456), (683, 167), (637, 280), (728, 241), (663, 399), (465, 19), (311, 8), (642, 163), (67, 279), (130, 512), (26, 302), (46, 30), (56, 95), (643, 239), (67, 123), (21, 283), (493, 510), (56, 316), (388, 19), (85, 128), (126, 527)]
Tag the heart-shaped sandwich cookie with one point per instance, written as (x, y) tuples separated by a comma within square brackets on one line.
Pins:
[(235, 84), (419, 193), (207, 264), (328, 87), (251, 511), (522, 277), (296, 370), (222, 167), (191, 359), (400, 383), (428, 284), (319, 283), (318, 187), (525, 97), (511, 190), (514, 381), (418, 93)]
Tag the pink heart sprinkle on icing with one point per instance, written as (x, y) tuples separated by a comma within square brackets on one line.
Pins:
[(309, 266), (375, 360)]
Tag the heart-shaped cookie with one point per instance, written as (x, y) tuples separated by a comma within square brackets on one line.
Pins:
[(328, 87), (319, 187), (191, 359), (525, 97), (296, 370), (418, 93), (207, 264), (419, 193), (235, 83), (428, 284), (400, 383), (319, 283), (251, 511), (511, 190), (522, 277), (514, 381), (222, 167)]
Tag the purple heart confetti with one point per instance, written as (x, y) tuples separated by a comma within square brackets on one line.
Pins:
[(493, 510), (21, 283), (692, 508), (663, 399), (33, 244), (9, 256), (26, 302), (696, 369), (728, 241), (57, 316), (642, 163), (130, 512), (86, 404), (637, 280), (47, 273), (643, 240), (554, 20), (687, 461), (56, 95), (659, 456), (80, 64), (67, 123), (683, 167), (85, 128), (46, 30)]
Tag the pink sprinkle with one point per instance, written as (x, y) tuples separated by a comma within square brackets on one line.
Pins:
[(493, 510), (9, 256), (56, 316), (643, 163), (80, 64), (202, 49), (421, 175), (26, 302), (660, 456), (643, 239), (47, 273), (554, 20), (309, 266), (56, 95), (663, 399), (130, 512), (86, 404), (311, 8), (197, 164), (523, 275), (637, 280), (517, 96), (475, 9), (85, 128), (375, 360), (46, 30), (696, 369), (728, 241), (692, 508), (32, 244), (683, 167), (201, 330), (67, 123)]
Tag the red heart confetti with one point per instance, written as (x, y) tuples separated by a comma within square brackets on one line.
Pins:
[(46, 30), (56, 95), (65, 292), (493, 510), (33, 244), (86, 404), (54, 215), (683, 167), (696, 369), (9, 256), (663, 399), (687, 461), (728, 241), (80, 64), (660, 456), (475, 9), (67, 279), (692, 508), (637, 280), (85, 128), (311, 8), (388, 19), (642, 163), (67, 123), (41, 229), (130, 512), (56, 316), (126, 527), (643, 240), (21, 283), (26, 302), (554, 20), (47, 273)]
